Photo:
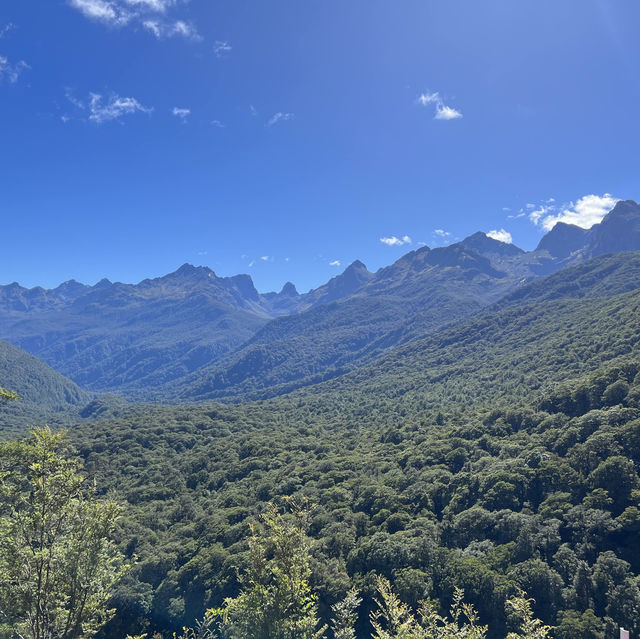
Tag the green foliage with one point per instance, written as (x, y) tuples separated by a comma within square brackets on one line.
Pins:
[(7, 395), (529, 626), (45, 395), (58, 565), (395, 620), (276, 601), (345, 615)]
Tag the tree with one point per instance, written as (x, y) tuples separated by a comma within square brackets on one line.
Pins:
[(58, 563), (276, 601), (530, 627), (395, 620), (7, 395), (345, 615)]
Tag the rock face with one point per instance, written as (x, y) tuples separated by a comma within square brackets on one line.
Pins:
[(619, 231), (563, 240), (485, 245)]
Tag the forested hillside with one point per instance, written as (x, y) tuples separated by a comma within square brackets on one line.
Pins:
[(44, 394), (498, 454)]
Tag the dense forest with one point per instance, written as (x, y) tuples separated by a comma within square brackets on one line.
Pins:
[(496, 456)]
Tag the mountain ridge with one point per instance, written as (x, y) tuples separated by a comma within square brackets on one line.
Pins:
[(191, 325)]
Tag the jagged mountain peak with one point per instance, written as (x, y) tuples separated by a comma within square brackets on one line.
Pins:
[(563, 240), (289, 290), (483, 244), (619, 230), (103, 283), (189, 270), (244, 285), (356, 265)]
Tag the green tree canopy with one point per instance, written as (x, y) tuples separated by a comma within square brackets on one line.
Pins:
[(58, 564)]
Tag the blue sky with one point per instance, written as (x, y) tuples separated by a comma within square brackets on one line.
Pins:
[(287, 138)]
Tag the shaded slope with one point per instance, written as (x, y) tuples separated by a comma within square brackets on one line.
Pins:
[(44, 393)]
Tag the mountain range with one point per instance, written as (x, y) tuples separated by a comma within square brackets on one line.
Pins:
[(192, 335)]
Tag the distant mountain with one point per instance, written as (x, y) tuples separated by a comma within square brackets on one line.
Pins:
[(619, 231), (563, 240), (117, 336), (419, 293), (569, 323), (134, 337), (194, 335)]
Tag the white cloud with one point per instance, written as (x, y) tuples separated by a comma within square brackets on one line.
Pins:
[(538, 213), (585, 212), (11, 71), (334, 263), (182, 28), (442, 233), (265, 258), (170, 29), (396, 241), (112, 109), (221, 48), (151, 14), (6, 28), (154, 5), (102, 10), (154, 26), (217, 124), (253, 110), (280, 117), (442, 111), (500, 235), (183, 114)]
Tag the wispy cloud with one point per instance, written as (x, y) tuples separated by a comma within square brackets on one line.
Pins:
[(280, 117), (501, 235), (181, 113), (10, 71), (100, 110), (442, 233), (6, 28), (396, 241), (442, 111), (334, 263), (103, 10), (584, 212), (217, 124), (150, 14), (113, 108), (221, 48), (161, 29)]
